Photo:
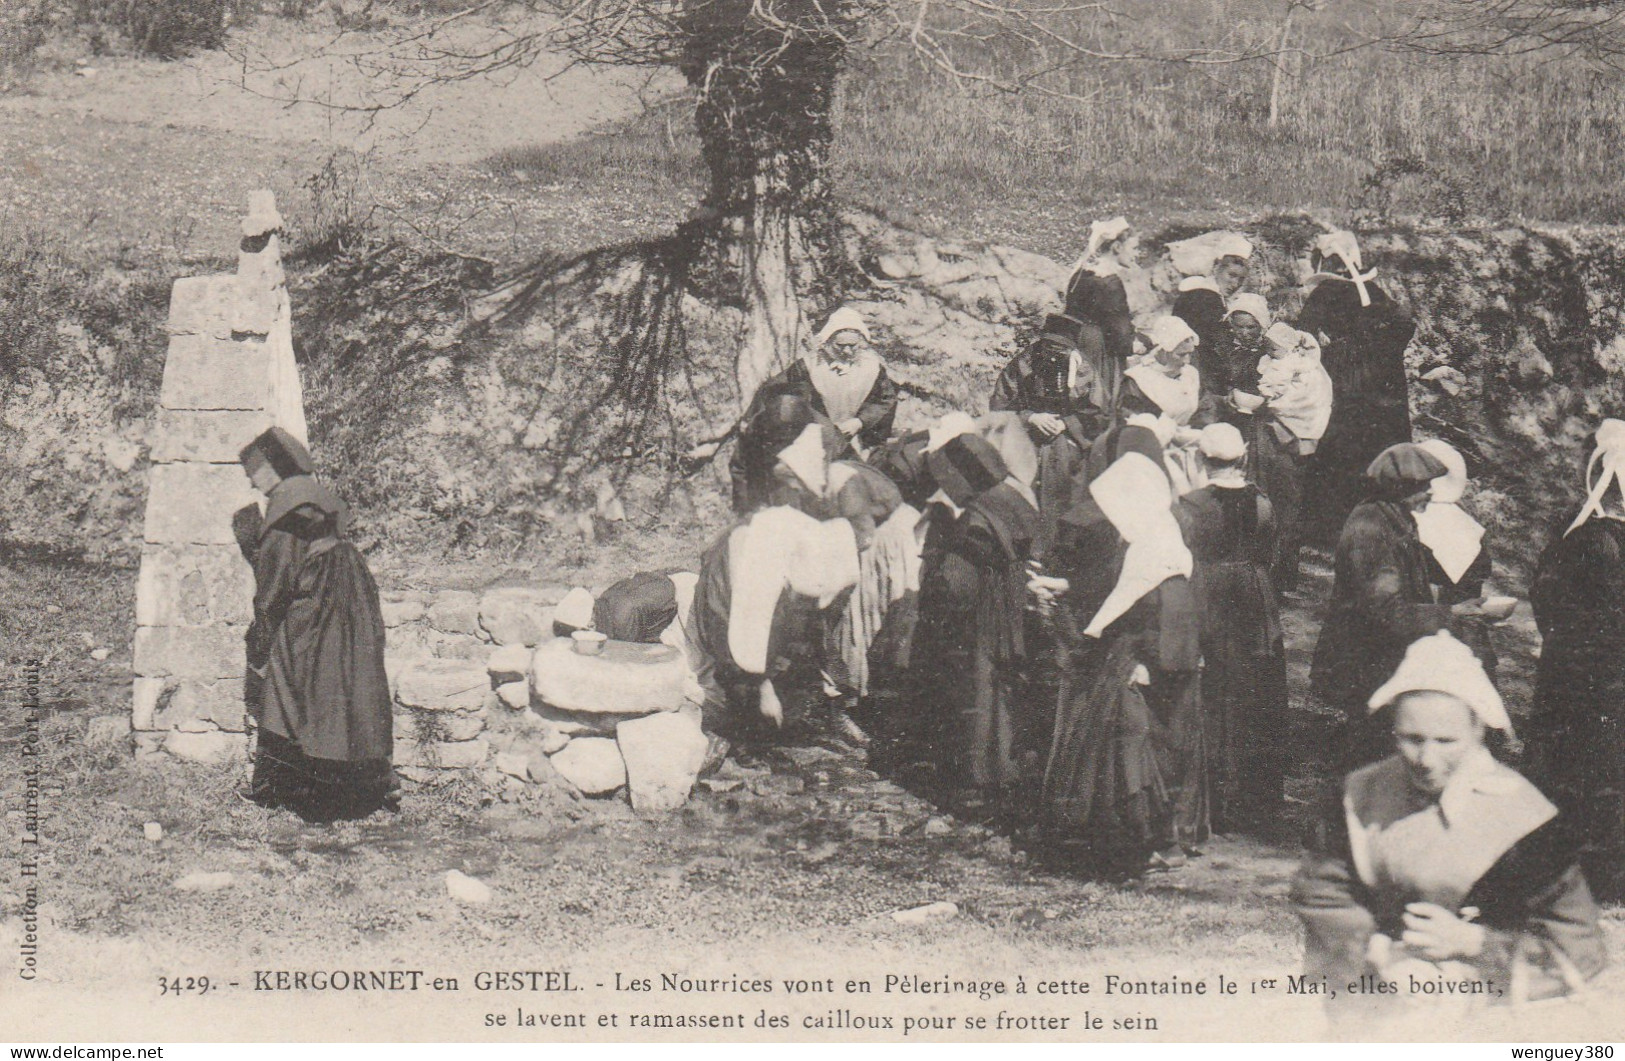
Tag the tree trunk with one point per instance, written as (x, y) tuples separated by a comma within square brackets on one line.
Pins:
[(764, 116), (1280, 67)]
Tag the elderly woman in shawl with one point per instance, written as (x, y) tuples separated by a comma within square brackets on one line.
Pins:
[(1217, 265), (1230, 530), (1051, 387), (316, 687), (754, 630), (1577, 729), (1381, 597), (1364, 334), (1290, 402), (1096, 298), (973, 614), (1125, 783), (1442, 863), (844, 381)]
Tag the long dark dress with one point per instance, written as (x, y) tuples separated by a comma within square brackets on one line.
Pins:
[(1126, 773), (1107, 336), (1381, 602), (1230, 532), (1576, 736), (1280, 471), (1203, 310), (1364, 354), (1127, 765), (973, 590), (317, 687), (1022, 390)]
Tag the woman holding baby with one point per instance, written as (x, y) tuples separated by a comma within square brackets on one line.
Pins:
[(1283, 409)]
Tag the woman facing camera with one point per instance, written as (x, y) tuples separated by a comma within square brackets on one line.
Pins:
[(1444, 863)]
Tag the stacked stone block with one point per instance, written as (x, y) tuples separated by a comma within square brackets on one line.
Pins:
[(229, 374), (437, 650)]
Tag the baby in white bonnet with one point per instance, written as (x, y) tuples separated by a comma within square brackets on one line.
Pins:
[(1293, 384)]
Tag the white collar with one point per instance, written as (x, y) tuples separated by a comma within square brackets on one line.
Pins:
[(1200, 283)]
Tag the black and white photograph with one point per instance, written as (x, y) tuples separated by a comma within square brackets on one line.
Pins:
[(812, 521)]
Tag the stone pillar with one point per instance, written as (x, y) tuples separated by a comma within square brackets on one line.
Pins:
[(229, 374)]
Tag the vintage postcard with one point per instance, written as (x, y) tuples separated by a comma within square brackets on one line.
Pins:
[(812, 521)]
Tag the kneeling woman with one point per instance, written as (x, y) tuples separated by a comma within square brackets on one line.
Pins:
[(1444, 862), (755, 630), (316, 682)]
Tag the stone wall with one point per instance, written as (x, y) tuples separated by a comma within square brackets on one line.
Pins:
[(437, 650)]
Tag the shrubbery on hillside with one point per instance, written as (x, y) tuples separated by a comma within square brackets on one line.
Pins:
[(81, 357)]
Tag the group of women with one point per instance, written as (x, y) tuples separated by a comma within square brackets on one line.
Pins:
[(1080, 587), (1071, 606), (1095, 647)]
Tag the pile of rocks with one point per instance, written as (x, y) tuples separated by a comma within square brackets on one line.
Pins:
[(480, 682), (608, 722), (436, 645)]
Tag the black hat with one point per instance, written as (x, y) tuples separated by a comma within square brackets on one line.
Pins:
[(283, 453), (965, 466)]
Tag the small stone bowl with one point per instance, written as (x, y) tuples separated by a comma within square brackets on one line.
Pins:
[(589, 642)]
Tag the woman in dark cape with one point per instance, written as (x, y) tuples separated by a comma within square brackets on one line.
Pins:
[(1096, 297), (1381, 598), (1125, 782), (317, 689), (1365, 335), (1048, 385), (1440, 863), (1576, 736), (777, 419), (972, 621), (1229, 527)]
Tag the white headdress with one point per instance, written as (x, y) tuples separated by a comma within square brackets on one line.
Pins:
[(1610, 452), (1134, 494), (844, 319), (1453, 537), (1341, 244), (1100, 234), (1167, 332), (1255, 306), (1439, 663), (1196, 257), (1221, 442), (806, 457)]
